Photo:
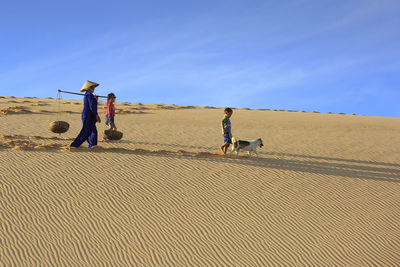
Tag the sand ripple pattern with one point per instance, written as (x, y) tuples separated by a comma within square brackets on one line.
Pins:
[(324, 191), (167, 209)]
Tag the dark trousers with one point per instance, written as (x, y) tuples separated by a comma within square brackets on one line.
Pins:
[(88, 133)]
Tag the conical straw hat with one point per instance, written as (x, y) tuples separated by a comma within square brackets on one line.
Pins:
[(88, 84)]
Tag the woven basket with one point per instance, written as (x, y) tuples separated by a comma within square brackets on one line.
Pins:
[(59, 126), (112, 135)]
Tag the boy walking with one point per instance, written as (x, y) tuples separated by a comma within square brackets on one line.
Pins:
[(226, 129)]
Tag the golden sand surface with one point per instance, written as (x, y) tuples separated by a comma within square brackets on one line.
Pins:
[(324, 190)]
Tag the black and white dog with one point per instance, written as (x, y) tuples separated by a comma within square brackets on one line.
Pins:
[(248, 146)]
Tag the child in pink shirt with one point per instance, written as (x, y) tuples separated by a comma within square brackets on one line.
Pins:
[(110, 112)]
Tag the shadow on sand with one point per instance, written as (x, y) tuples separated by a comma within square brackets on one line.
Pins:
[(211, 148), (350, 168), (347, 168)]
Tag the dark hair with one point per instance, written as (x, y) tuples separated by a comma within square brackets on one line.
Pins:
[(109, 96), (228, 110)]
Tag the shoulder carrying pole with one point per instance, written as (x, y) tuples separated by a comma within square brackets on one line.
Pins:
[(72, 93)]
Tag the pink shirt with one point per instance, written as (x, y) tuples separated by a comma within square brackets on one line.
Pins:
[(110, 106)]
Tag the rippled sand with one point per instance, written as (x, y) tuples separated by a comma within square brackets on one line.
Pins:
[(324, 191)]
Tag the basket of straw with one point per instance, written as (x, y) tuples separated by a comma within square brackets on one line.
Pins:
[(112, 135), (59, 126)]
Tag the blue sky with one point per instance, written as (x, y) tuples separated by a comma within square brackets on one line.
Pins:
[(312, 55)]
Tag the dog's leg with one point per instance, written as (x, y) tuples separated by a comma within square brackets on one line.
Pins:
[(255, 151), (237, 152)]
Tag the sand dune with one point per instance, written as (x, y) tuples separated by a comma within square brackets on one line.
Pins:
[(323, 192), (14, 110)]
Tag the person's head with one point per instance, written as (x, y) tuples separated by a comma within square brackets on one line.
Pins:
[(228, 112), (111, 97), (91, 89)]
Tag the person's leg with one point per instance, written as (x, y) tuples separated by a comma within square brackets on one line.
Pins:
[(226, 147), (108, 122), (92, 139), (112, 124), (84, 133), (227, 141), (222, 148)]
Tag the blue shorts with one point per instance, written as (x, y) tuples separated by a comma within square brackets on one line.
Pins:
[(228, 138), (110, 119)]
